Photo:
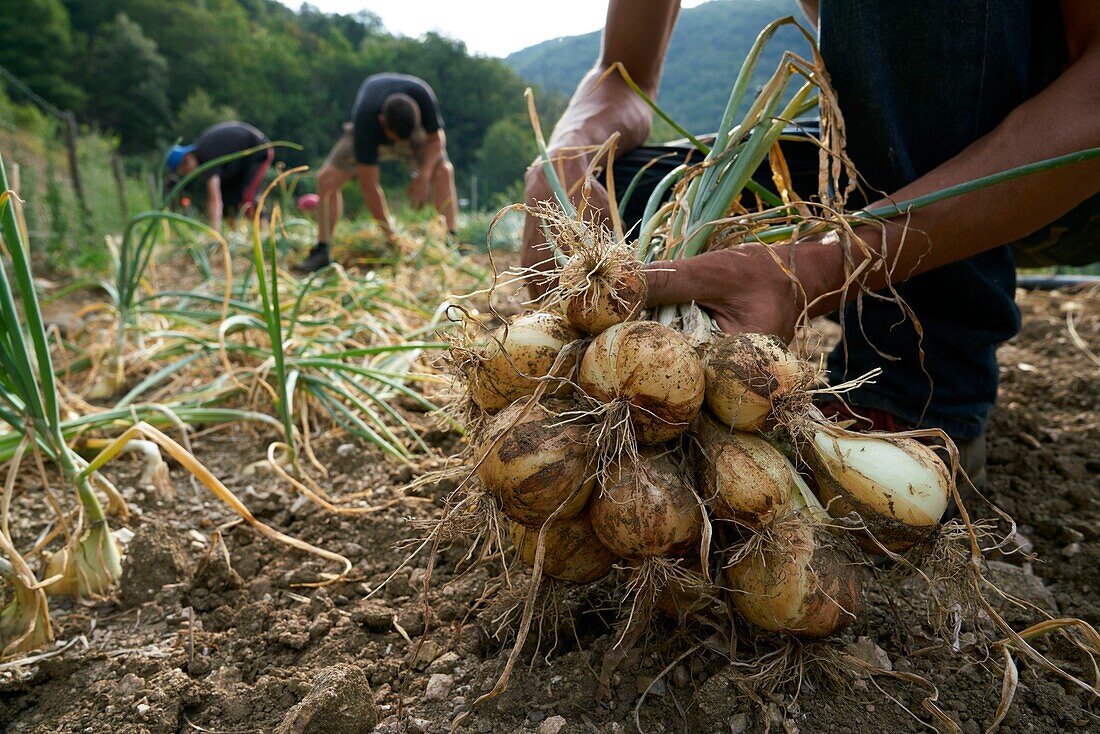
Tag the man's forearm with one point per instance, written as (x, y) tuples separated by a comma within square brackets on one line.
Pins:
[(1061, 119), (214, 205), (375, 200)]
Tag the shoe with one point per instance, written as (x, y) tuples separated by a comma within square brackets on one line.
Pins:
[(318, 258), (972, 451)]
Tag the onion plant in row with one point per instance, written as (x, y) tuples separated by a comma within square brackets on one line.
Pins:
[(697, 460), (327, 348), (32, 404)]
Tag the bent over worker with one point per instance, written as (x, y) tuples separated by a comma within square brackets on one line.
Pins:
[(395, 117)]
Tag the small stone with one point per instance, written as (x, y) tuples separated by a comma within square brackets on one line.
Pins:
[(142, 709), (1071, 535), (680, 676), (445, 663), (739, 723), (866, 650), (536, 715), (340, 703), (422, 655), (1071, 550), (419, 725), (439, 687), (345, 449), (128, 686), (553, 725)]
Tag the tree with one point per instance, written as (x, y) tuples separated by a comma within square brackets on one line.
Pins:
[(199, 112), (507, 150), (128, 77), (38, 48)]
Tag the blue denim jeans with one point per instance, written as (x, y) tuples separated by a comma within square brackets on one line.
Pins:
[(917, 82)]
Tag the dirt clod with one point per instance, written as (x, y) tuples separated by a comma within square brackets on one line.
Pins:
[(154, 559), (340, 703)]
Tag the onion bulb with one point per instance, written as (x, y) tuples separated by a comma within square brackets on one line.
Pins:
[(647, 509), (508, 365), (536, 465), (796, 584), (573, 552), (897, 486), (653, 369), (747, 375), (601, 287), (743, 477), (88, 569)]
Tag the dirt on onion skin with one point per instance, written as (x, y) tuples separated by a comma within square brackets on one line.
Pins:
[(234, 648)]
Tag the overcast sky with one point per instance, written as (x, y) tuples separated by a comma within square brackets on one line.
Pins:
[(489, 27)]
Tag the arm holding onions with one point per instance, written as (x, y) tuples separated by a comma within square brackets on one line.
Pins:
[(745, 289), (636, 34)]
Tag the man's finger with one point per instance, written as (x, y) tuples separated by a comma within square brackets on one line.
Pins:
[(676, 281)]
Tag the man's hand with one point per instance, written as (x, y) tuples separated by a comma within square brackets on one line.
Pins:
[(636, 35), (752, 287)]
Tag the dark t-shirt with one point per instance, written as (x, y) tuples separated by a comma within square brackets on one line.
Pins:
[(226, 138), (368, 105)]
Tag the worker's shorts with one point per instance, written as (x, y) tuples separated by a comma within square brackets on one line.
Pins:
[(405, 152)]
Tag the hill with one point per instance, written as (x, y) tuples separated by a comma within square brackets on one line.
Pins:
[(708, 45)]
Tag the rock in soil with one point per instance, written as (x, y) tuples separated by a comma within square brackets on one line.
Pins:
[(340, 703), (154, 559)]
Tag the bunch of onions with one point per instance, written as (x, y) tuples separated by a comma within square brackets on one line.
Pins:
[(743, 477), (647, 509), (798, 583), (897, 486), (600, 287), (573, 552), (533, 463), (653, 370), (749, 376), (507, 367)]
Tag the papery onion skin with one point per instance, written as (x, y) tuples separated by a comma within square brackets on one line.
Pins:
[(600, 293), (746, 375), (654, 369), (797, 585), (647, 509), (742, 477), (533, 342), (536, 465), (573, 552), (900, 498)]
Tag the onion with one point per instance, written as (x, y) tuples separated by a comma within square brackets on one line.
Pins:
[(602, 287), (653, 369), (797, 584), (89, 568), (531, 344), (747, 376), (742, 476), (898, 486), (647, 509), (573, 552), (537, 464)]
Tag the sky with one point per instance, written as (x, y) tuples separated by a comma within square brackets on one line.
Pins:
[(488, 27)]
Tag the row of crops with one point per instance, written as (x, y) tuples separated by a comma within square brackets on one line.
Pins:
[(225, 337)]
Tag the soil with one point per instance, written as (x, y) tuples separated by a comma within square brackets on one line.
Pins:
[(217, 630)]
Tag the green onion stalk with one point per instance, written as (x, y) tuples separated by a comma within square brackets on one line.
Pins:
[(30, 405)]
